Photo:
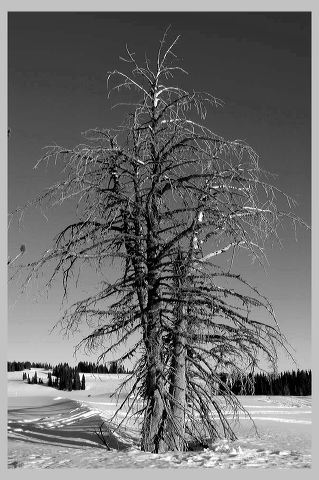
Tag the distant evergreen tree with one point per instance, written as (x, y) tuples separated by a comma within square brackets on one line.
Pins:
[(120, 369), (76, 380), (308, 384), (50, 382), (83, 382), (112, 367), (285, 390)]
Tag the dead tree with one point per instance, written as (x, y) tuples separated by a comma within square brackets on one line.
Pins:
[(159, 198)]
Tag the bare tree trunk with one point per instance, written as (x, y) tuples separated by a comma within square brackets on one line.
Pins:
[(178, 385), (153, 423), (176, 428), (154, 418)]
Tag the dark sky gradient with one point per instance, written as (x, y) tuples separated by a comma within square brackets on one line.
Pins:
[(258, 63)]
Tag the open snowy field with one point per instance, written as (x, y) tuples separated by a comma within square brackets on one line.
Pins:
[(48, 428)]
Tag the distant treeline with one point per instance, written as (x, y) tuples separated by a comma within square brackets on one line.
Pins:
[(67, 378), (83, 367), (89, 367), (19, 366), (286, 383)]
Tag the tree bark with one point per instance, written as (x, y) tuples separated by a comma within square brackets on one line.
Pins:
[(154, 418), (178, 385), (178, 364)]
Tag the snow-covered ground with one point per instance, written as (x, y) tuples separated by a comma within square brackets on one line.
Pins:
[(48, 428)]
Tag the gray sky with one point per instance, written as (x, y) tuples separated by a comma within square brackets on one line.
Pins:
[(258, 63)]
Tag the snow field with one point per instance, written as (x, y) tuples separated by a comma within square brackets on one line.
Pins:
[(55, 429)]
